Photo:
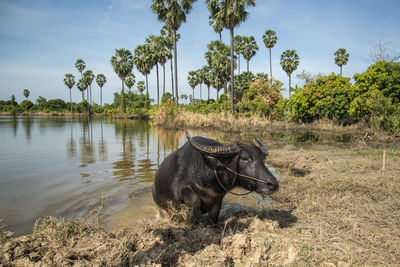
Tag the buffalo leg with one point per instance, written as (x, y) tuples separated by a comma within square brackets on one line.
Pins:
[(213, 213), (192, 200)]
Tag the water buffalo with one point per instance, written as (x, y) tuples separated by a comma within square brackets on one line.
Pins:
[(202, 171)]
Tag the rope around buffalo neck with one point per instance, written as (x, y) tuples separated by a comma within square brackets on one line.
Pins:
[(236, 175), (226, 189), (245, 176)]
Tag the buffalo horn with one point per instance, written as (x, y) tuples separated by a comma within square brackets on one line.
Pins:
[(261, 145), (223, 150)]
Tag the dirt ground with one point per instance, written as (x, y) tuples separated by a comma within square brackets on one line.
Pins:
[(338, 205)]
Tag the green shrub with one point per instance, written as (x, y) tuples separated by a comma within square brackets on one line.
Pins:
[(260, 98), (26, 105), (382, 76), (327, 97), (281, 110), (56, 105)]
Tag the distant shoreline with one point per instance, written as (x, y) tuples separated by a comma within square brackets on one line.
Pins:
[(67, 114)]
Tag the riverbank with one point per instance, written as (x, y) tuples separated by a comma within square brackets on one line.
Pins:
[(170, 117), (337, 206)]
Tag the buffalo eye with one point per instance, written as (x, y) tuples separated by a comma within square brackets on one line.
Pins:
[(245, 158)]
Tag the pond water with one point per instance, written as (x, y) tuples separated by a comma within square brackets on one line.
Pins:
[(71, 167)]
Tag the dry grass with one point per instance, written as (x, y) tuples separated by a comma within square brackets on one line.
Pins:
[(172, 118), (348, 208), (179, 118), (336, 207)]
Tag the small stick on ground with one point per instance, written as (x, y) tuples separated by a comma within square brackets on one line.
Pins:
[(384, 160), (222, 235)]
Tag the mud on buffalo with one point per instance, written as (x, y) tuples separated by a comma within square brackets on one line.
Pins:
[(202, 171)]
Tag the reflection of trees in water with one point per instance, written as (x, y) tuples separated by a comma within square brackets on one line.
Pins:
[(168, 140), (87, 149), (71, 145), (15, 125), (124, 168), (27, 123), (102, 145)]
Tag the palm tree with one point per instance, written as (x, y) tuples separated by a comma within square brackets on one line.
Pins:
[(192, 80), (82, 87), (238, 47), (141, 86), (170, 46), (173, 13), (221, 64), (26, 93), (229, 13), (89, 77), (217, 58), (130, 80), (144, 60), (69, 81), (101, 81), (218, 28), (269, 41), (122, 64), (289, 63), (184, 97), (250, 48), (80, 65), (341, 58), (207, 78), (161, 54), (200, 79)]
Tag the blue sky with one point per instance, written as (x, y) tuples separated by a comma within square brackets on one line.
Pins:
[(40, 40)]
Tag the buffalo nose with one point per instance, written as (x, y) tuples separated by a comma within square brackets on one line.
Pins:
[(273, 187)]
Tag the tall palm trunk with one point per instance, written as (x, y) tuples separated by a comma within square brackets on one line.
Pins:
[(172, 81), (176, 70), (123, 97), (239, 63), (340, 70), (158, 86), (220, 36), (225, 89), (88, 103), (163, 91), (232, 70), (208, 98), (290, 85), (200, 93), (70, 98), (83, 95), (147, 85), (101, 96), (248, 65), (270, 63)]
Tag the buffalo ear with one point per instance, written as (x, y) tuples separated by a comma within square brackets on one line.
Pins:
[(215, 162)]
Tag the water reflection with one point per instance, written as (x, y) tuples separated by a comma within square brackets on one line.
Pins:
[(71, 145), (27, 124), (87, 149), (102, 145)]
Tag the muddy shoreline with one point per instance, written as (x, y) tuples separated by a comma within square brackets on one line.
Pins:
[(337, 206)]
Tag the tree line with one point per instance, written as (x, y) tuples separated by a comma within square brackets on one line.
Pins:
[(221, 58)]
